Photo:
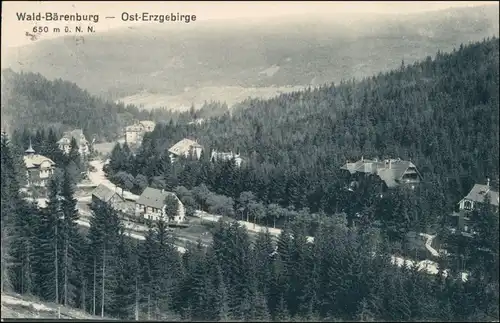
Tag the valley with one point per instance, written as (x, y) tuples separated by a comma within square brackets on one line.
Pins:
[(335, 166)]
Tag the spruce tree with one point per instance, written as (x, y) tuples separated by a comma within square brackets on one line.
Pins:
[(48, 263), (10, 200), (71, 240)]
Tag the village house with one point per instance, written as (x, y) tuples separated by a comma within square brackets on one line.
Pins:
[(151, 205), (38, 168), (106, 195), (147, 125), (216, 155), (135, 133), (185, 148), (81, 141), (393, 172), (476, 196)]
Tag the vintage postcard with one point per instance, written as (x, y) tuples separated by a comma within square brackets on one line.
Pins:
[(267, 161)]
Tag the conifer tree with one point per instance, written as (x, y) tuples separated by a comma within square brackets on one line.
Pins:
[(48, 263), (10, 200), (71, 240)]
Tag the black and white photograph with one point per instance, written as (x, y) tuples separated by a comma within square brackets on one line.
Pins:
[(250, 161)]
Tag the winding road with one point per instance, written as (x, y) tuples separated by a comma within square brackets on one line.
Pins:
[(98, 177)]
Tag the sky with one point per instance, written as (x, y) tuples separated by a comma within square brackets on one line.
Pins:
[(14, 31)]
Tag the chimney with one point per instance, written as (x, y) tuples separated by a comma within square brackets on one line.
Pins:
[(390, 163), (488, 182), (362, 158), (163, 190)]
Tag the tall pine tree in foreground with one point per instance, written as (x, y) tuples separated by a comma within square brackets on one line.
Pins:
[(71, 241), (48, 260)]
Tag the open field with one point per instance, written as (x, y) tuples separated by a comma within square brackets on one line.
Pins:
[(197, 96), (210, 61)]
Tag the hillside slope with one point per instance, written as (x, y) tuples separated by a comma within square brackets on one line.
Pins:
[(207, 61), (25, 307), (30, 100), (440, 113)]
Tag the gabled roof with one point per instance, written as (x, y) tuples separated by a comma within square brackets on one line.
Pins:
[(147, 123), (390, 170), (183, 147), (153, 197), (103, 193), (363, 166), (34, 161), (77, 134), (478, 193), (134, 128)]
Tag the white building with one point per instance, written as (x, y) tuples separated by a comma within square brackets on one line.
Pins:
[(147, 125), (185, 148), (151, 205), (39, 168), (81, 141), (216, 155), (135, 133)]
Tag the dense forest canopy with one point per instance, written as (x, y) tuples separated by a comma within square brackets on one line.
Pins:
[(32, 102), (344, 275), (441, 113), (209, 54)]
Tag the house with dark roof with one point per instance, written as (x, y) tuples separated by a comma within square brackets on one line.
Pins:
[(151, 204), (477, 195), (185, 148), (38, 168), (134, 134), (471, 201), (104, 194), (81, 141), (393, 172), (148, 125)]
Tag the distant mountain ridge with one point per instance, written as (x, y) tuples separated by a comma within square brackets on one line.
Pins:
[(124, 63)]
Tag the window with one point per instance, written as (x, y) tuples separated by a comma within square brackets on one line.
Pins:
[(467, 205)]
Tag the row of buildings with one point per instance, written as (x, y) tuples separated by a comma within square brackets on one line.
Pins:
[(134, 135), (188, 147), (396, 172), (391, 172), (151, 204)]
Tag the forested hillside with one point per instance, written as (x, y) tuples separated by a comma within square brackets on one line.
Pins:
[(207, 57), (441, 113), (31, 101), (344, 275)]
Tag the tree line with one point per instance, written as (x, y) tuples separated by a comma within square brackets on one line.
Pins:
[(33, 102), (441, 113), (346, 274)]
